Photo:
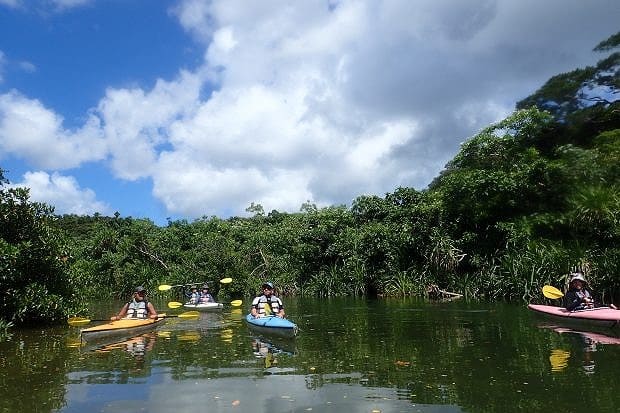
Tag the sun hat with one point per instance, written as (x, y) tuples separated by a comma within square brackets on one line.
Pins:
[(577, 277)]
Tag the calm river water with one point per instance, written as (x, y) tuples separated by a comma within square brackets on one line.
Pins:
[(352, 355)]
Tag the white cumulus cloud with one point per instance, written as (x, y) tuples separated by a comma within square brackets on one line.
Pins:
[(63, 192), (30, 130)]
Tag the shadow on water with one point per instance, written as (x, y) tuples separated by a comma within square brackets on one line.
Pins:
[(351, 355)]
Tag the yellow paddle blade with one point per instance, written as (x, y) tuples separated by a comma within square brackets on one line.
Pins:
[(174, 304), (268, 309), (559, 359), (189, 336), (552, 292), (78, 321), (236, 303), (227, 280), (164, 287), (189, 314)]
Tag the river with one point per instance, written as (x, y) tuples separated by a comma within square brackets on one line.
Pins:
[(351, 355)]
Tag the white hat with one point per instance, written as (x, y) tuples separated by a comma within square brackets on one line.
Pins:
[(577, 276)]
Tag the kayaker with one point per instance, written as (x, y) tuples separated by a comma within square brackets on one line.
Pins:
[(205, 297), (138, 307), (194, 296), (578, 297), (267, 304)]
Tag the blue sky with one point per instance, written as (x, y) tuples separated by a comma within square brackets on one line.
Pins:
[(182, 109)]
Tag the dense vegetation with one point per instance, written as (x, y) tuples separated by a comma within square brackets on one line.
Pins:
[(523, 203)]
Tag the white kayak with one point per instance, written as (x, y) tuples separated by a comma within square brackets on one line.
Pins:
[(204, 306)]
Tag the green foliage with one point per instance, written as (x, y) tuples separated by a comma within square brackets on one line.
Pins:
[(610, 43), (33, 262), (5, 326)]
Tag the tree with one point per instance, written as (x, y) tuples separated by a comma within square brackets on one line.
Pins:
[(33, 261)]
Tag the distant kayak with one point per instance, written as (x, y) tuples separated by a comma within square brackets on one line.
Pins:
[(601, 317), (123, 327), (204, 306), (272, 325)]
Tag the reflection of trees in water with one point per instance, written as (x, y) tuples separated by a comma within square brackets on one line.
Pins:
[(34, 365)]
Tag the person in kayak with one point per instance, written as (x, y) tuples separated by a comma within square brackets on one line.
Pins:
[(205, 297), (267, 304), (578, 297), (194, 296), (138, 307)]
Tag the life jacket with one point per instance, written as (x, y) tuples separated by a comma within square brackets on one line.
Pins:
[(194, 298), (583, 294), (138, 309), (267, 305), (574, 299), (206, 298)]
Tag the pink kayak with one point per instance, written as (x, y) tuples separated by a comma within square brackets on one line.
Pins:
[(602, 316)]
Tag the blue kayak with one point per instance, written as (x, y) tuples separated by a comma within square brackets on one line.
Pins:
[(272, 325)]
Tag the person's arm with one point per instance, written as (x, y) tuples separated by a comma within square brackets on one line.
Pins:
[(254, 310), (573, 301), (151, 310), (121, 313), (281, 309)]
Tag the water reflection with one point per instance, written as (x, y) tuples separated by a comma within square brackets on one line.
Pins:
[(352, 355), (590, 337), (268, 350), (559, 359), (586, 343), (136, 346)]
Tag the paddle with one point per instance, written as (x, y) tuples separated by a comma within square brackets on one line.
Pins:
[(80, 321), (176, 304), (552, 292), (166, 287)]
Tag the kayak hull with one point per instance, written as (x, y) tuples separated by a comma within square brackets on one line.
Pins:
[(120, 328), (597, 317), (272, 325), (204, 306)]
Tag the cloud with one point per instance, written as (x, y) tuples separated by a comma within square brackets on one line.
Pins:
[(136, 123), (10, 3), (32, 132), (27, 67), (2, 63), (319, 101), (63, 192), (69, 4), (58, 5)]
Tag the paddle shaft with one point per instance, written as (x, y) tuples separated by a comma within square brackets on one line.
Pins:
[(166, 287), (81, 320)]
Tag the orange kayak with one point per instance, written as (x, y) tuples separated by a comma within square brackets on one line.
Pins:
[(124, 327)]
